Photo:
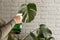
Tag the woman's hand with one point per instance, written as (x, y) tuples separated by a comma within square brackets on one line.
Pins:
[(17, 19)]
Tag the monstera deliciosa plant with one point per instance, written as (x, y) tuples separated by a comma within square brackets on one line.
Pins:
[(28, 12), (43, 33)]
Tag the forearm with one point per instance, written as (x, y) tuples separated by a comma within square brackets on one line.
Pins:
[(7, 28)]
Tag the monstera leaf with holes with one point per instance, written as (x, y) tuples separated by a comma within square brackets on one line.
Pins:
[(43, 33), (28, 11)]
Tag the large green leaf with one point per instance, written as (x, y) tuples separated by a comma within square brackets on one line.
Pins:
[(46, 32), (51, 38), (33, 36), (28, 12), (40, 33), (43, 33)]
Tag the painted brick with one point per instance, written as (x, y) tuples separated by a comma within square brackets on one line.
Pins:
[(48, 12), (57, 1)]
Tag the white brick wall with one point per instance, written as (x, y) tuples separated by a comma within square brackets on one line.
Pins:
[(48, 12)]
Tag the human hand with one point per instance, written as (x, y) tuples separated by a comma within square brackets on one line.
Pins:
[(17, 19)]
